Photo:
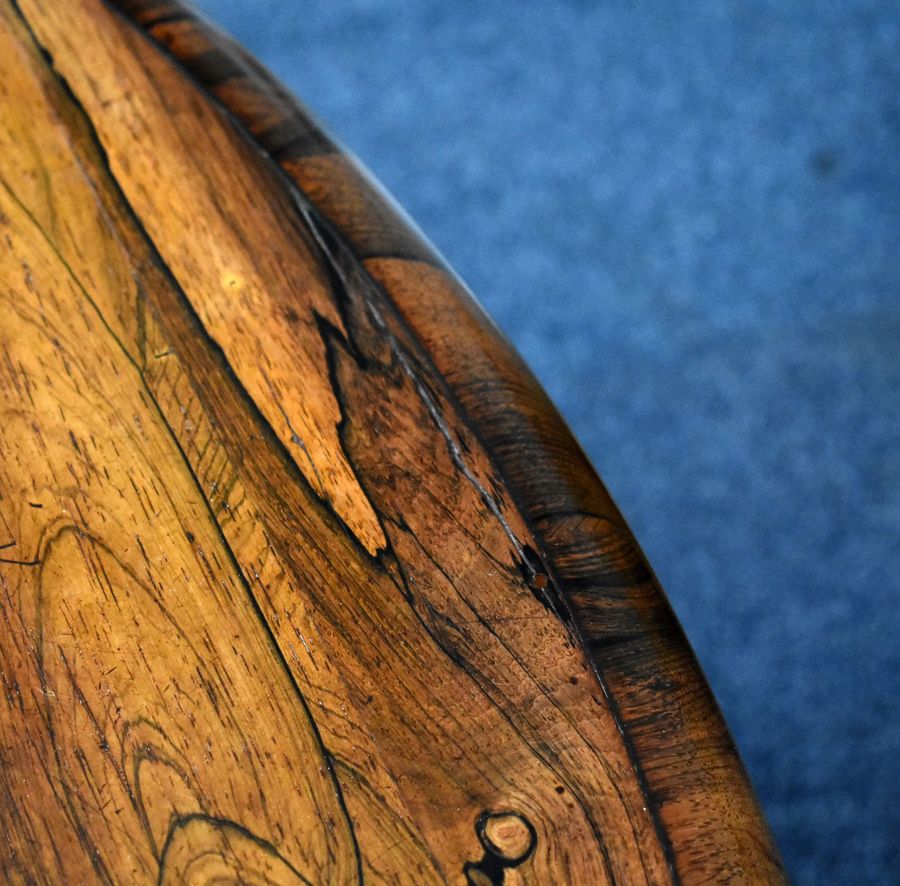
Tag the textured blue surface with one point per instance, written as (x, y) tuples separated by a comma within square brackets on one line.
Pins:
[(685, 215)]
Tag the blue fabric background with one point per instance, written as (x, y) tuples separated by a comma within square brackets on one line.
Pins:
[(685, 215)]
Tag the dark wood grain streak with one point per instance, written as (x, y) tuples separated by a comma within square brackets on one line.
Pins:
[(306, 579)]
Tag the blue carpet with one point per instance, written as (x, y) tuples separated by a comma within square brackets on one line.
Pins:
[(685, 215)]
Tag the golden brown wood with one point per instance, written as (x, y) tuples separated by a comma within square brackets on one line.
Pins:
[(302, 578)]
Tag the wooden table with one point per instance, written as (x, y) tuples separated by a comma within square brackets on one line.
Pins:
[(302, 577)]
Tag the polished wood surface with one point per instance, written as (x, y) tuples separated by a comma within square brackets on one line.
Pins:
[(302, 578)]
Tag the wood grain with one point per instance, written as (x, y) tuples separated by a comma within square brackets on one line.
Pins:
[(302, 578)]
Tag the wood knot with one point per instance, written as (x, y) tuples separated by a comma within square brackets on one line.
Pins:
[(507, 835), (508, 839)]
